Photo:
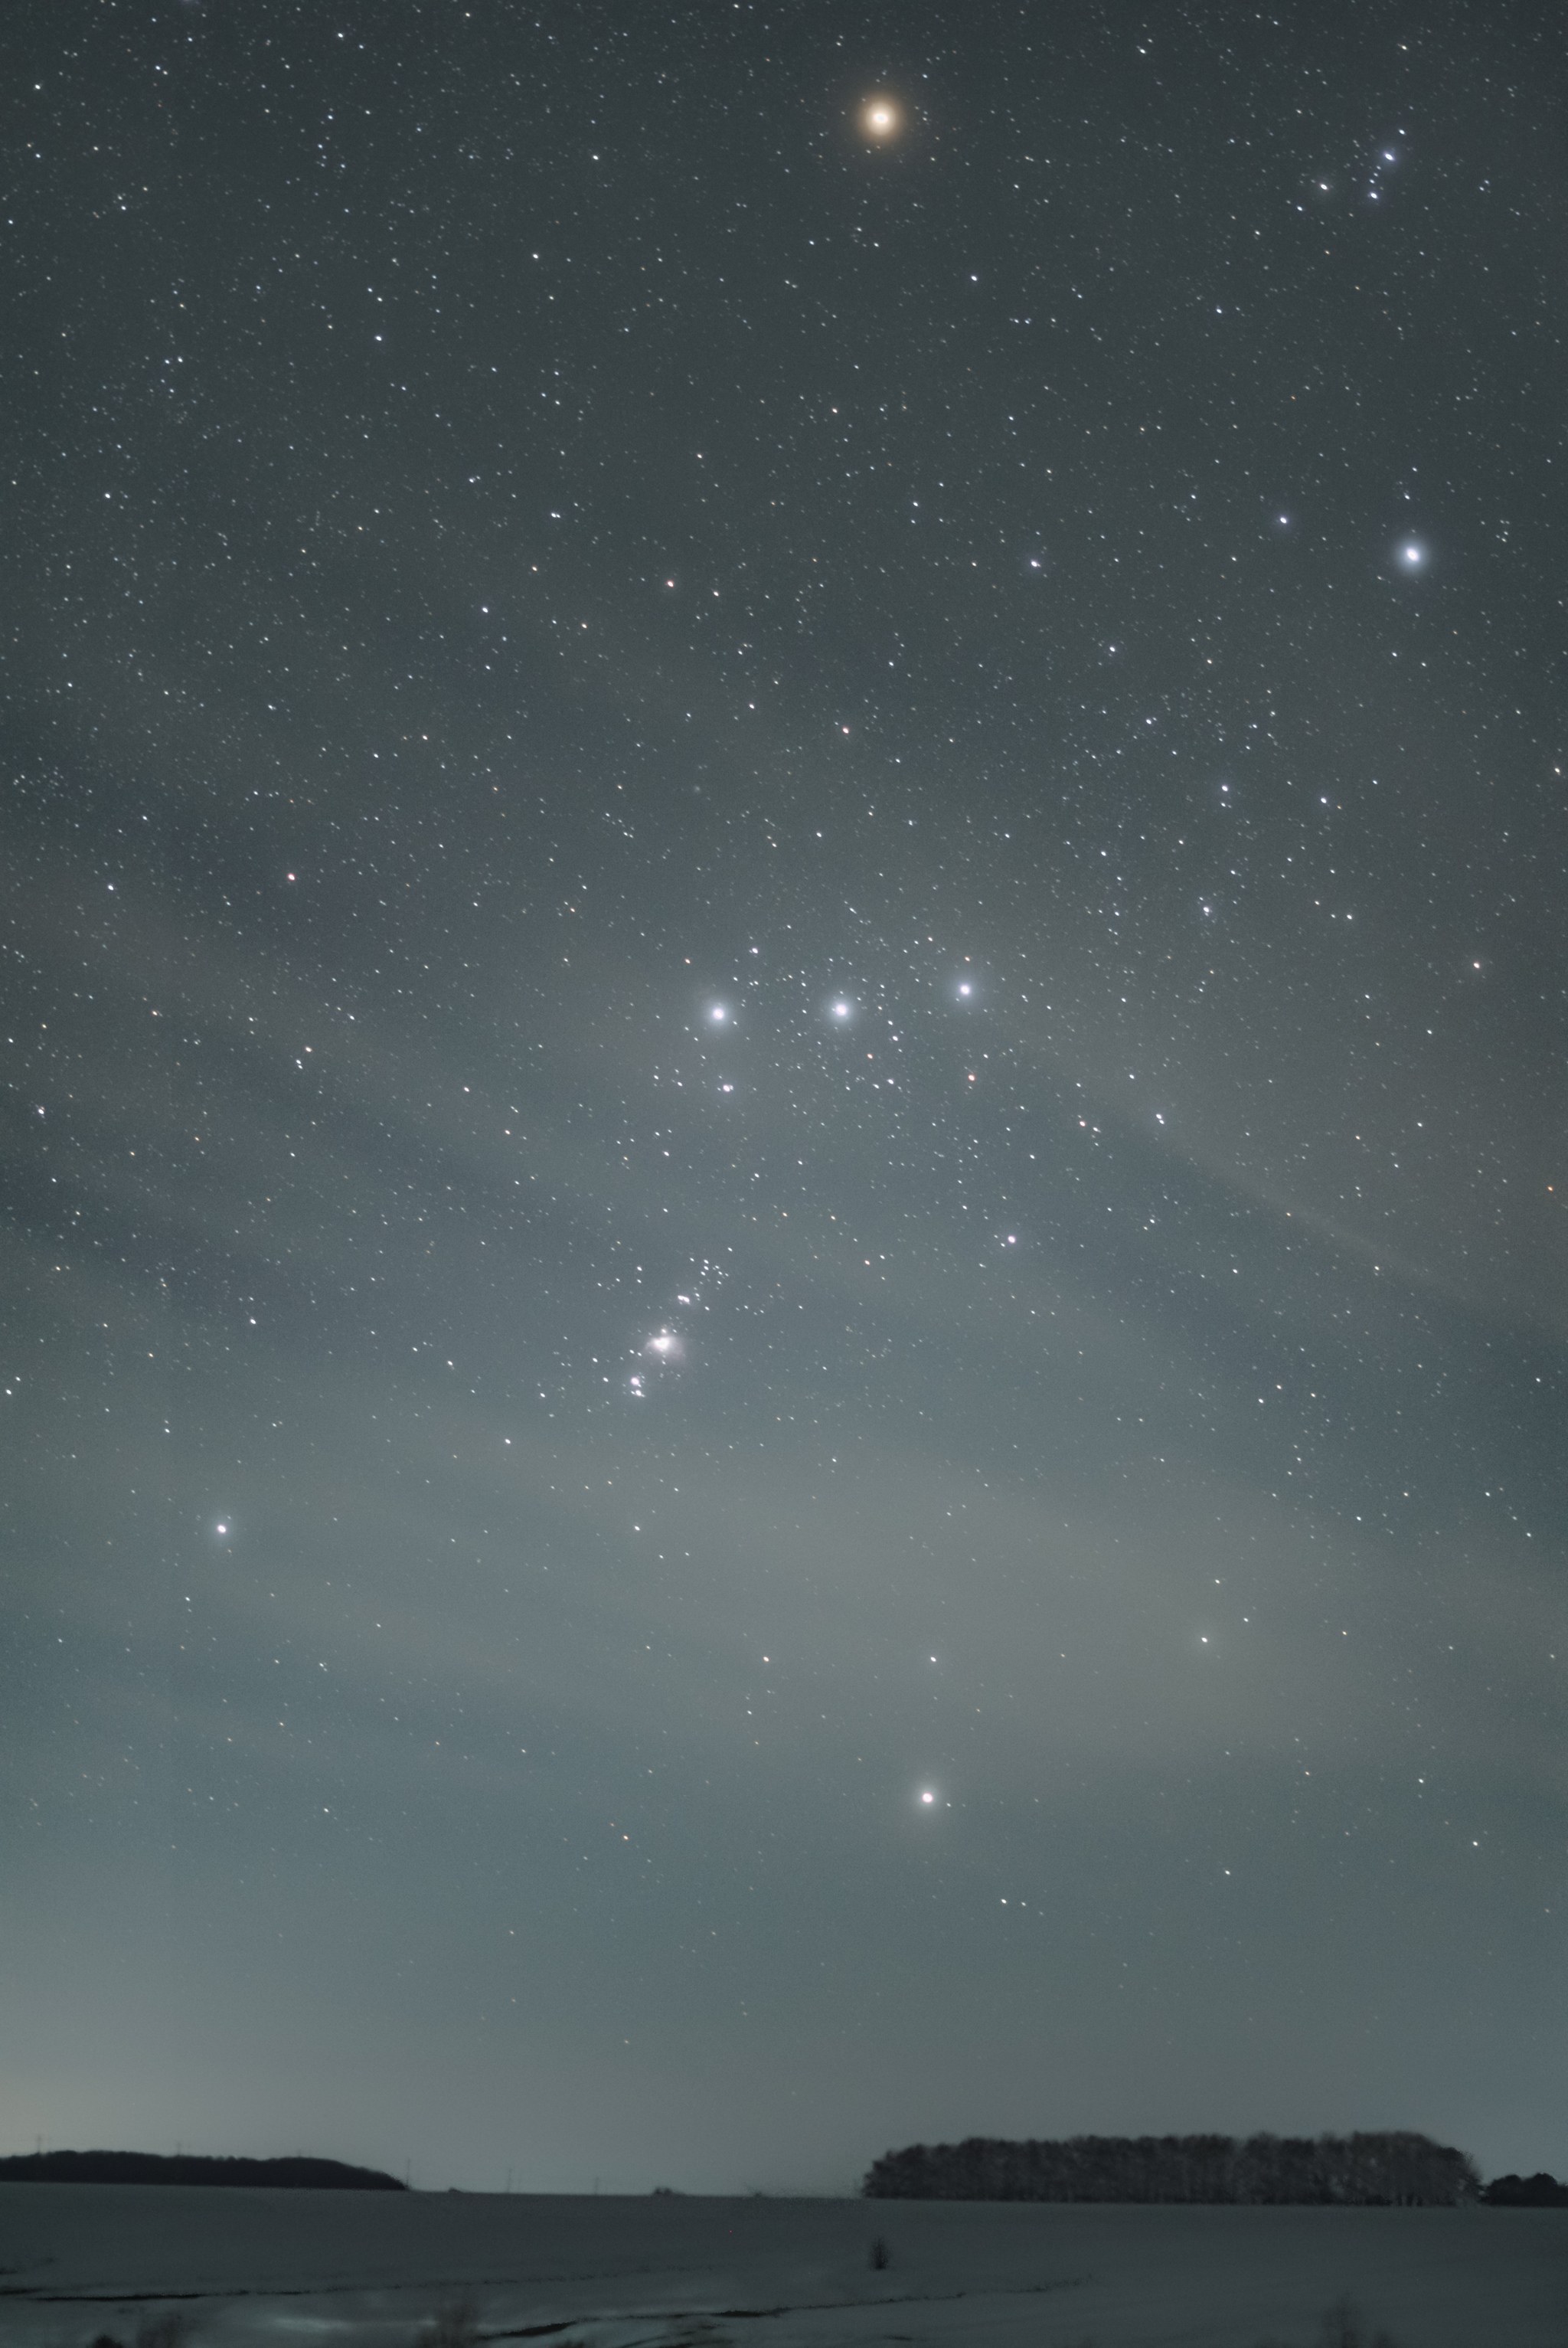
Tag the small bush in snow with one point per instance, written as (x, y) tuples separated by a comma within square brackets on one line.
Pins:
[(1342, 2329), (453, 2326), (169, 2330)]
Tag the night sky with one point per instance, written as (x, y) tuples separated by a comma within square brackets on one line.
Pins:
[(783, 1292)]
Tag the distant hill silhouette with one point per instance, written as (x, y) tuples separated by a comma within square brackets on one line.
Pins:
[(190, 2168), (1391, 2169), (1538, 2192)]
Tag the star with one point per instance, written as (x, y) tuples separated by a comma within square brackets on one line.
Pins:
[(880, 119)]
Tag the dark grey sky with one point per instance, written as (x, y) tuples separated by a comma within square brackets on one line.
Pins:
[(784, 1030)]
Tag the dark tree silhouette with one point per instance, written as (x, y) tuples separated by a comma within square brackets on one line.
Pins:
[(1384, 2169), (189, 2168), (1538, 2192)]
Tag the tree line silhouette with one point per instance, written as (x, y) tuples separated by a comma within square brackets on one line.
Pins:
[(190, 2168), (1540, 2191), (1387, 2169)]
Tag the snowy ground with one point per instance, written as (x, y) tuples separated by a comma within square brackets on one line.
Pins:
[(265, 2268)]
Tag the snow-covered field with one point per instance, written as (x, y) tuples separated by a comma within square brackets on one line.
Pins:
[(291, 2269)]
